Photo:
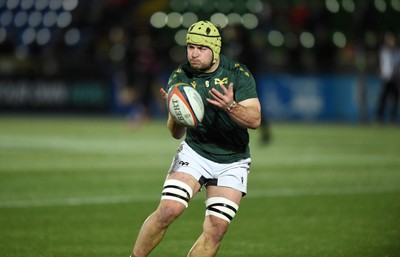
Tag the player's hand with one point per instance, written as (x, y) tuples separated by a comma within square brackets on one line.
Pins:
[(163, 94), (222, 100)]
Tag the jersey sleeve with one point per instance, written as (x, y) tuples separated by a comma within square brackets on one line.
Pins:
[(175, 77), (245, 84)]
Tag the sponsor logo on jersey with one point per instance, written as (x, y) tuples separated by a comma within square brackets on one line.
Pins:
[(221, 82)]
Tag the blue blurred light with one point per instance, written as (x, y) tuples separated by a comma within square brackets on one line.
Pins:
[(27, 4), (12, 4), (20, 19), (64, 19), (50, 19), (43, 36), (70, 5), (28, 36), (55, 4), (41, 4), (72, 37), (35, 18), (6, 18)]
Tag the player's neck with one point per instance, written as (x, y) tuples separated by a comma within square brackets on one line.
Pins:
[(213, 67)]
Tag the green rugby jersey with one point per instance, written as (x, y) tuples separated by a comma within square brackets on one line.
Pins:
[(218, 137)]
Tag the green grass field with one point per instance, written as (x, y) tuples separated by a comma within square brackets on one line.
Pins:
[(83, 186)]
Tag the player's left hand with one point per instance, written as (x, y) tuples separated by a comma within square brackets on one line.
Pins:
[(222, 100), (163, 94)]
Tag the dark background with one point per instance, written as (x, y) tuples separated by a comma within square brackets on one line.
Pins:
[(107, 56)]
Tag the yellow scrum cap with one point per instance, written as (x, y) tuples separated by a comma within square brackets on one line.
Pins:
[(204, 33)]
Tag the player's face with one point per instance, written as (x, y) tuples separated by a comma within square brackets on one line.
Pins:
[(199, 57)]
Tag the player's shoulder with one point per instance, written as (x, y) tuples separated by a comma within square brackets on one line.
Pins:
[(178, 72), (178, 75), (234, 66)]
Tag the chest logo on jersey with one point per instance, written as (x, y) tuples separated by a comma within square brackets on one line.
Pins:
[(193, 84), (221, 82)]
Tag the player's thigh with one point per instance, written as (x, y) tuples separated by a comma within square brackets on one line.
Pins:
[(187, 179), (222, 205), (231, 194)]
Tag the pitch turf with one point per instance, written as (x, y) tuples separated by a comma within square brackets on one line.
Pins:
[(83, 186)]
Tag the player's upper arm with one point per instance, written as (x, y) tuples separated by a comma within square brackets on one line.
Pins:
[(253, 103)]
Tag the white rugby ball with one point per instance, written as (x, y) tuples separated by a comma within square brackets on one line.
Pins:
[(184, 103)]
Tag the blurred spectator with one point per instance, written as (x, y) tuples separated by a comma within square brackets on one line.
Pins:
[(389, 57)]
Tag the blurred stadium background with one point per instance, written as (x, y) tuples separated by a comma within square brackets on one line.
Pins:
[(313, 60)]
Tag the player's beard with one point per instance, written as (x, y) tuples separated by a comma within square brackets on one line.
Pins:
[(200, 66)]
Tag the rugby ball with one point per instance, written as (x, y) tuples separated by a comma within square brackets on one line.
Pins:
[(185, 105)]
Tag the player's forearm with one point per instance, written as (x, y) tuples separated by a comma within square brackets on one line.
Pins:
[(177, 131), (248, 117)]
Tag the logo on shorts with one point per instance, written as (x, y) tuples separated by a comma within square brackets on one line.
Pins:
[(184, 164)]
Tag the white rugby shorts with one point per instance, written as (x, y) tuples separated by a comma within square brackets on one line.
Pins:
[(208, 172)]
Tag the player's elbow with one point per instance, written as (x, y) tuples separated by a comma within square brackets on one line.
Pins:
[(255, 121), (177, 131), (251, 116), (177, 134), (255, 124)]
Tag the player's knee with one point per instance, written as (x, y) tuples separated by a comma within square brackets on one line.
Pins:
[(214, 230), (217, 229), (168, 212), (219, 211), (175, 199)]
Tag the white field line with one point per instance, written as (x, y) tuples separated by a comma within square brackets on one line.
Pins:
[(273, 193)]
